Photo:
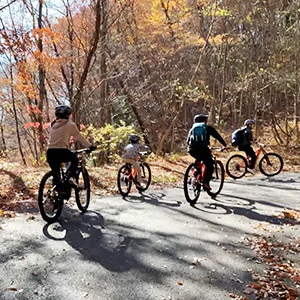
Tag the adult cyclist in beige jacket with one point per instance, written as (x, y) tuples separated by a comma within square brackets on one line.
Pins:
[(62, 129)]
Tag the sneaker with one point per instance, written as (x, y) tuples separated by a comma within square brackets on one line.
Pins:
[(73, 182), (251, 171), (206, 186)]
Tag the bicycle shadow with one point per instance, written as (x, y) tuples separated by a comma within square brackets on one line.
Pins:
[(247, 210), (87, 234), (152, 198), (263, 182)]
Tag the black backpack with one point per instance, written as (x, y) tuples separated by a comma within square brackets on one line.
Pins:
[(237, 137)]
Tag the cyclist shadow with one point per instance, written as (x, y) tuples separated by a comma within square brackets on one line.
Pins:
[(87, 234), (247, 210), (154, 199)]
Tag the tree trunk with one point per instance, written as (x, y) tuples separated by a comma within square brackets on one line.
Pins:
[(93, 43), (2, 130), (16, 116)]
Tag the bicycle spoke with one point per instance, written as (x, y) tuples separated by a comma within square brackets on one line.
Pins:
[(236, 166), (50, 203), (82, 193), (217, 180), (192, 185)]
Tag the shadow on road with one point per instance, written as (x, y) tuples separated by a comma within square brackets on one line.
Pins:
[(244, 207), (87, 234), (153, 198), (269, 183)]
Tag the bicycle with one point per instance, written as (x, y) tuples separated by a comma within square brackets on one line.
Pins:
[(54, 189), (127, 175), (194, 178), (270, 164)]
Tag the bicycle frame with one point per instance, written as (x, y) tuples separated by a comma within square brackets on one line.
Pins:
[(133, 171), (200, 177), (260, 150)]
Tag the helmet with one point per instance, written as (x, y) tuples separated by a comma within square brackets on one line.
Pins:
[(200, 118), (134, 138), (249, 121), (63, 111)]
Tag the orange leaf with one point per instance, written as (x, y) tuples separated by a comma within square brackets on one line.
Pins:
[(255, 285), (296, 278)]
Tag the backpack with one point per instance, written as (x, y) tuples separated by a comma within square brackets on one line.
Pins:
[(237, 137), (198, 136)]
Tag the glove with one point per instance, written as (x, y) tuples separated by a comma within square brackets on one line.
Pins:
[(91, 148)]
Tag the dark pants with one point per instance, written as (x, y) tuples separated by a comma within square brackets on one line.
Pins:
[(250, 152), (56, 156), (204, 154)]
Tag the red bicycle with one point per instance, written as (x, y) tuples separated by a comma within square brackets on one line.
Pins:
[(194, 178), (270, 164), (127, 176)]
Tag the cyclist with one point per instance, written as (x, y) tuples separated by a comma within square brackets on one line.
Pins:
[(245, 143), (62, 128), (198, 141), (131, 153)]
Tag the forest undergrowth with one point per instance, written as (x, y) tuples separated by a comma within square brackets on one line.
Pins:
[(19, 183)]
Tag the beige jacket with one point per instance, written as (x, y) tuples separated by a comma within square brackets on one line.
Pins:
[(60, 134)]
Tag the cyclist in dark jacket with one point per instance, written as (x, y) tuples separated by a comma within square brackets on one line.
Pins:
[(246, 143), (203, 152)]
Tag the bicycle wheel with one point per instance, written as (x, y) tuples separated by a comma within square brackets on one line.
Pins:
[(146, 177), (50, 203), (124, 185), (191, 185), (83, 192), (217, 180), (271, 164), (236, 166)]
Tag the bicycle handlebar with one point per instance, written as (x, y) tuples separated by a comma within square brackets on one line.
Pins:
[(84, 150), (220, 149), (145, 152)]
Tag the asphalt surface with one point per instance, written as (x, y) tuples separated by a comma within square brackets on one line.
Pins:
[(148, 246)]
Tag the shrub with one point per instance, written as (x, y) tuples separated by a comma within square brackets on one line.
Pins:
[(111, 140)]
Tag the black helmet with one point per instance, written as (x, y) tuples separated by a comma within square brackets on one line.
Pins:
[(200, 118), (249, 121), (134, 138), (63, 111)]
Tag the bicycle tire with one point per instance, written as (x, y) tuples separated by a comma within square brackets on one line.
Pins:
[(236, 166), (124, 185), (83, 192), (144, 185), (50, 204), (217, 180), (268, 162), (191, 186)]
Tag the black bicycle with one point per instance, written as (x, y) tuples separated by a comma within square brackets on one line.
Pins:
[(54, 189), (194, 178), (127, 175)]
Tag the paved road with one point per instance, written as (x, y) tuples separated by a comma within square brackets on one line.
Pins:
[(144, 246)]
